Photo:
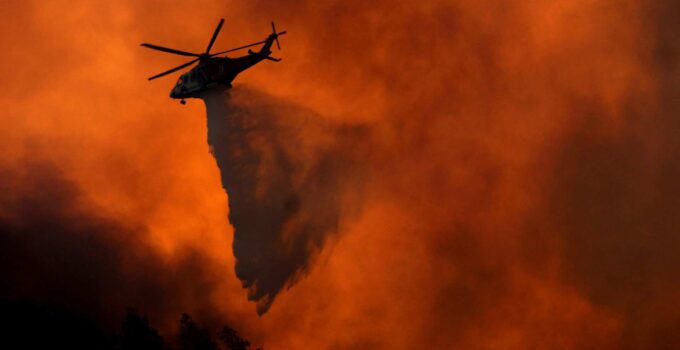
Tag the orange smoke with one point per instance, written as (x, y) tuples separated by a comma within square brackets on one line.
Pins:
[(523, 160)]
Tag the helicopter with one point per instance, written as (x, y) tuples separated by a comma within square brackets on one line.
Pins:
[(212, 71)]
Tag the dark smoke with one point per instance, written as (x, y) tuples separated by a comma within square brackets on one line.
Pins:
[(285, 172), (615, 201), (69, 271), (617, 211)]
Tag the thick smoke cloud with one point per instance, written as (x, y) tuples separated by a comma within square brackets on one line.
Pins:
[(287, 173), (64, 260), (524, 194), (521, 180), (613, 202)]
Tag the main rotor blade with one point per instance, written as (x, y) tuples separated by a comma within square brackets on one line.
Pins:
[(174, 69), (165, 49), (217, 31), (245, 46)]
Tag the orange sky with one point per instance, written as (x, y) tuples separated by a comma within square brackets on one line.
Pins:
[(521, 156)]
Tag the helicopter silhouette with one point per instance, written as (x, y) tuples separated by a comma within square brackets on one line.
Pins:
[(215, 72)]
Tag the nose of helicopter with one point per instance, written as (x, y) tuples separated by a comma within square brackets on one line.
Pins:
[(176, 90), (173, 92)]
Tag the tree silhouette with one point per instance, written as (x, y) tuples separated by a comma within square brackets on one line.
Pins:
[(232, 341), (27, 325), (193, 337), (137, 334)]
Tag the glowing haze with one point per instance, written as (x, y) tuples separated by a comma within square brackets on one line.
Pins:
[(521, 187)]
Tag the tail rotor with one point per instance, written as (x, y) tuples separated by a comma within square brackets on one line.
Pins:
[(276, 35)]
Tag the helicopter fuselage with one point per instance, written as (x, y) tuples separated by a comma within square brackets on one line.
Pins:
[(213, 72)]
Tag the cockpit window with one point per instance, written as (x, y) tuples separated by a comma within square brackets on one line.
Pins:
[(179, 81)]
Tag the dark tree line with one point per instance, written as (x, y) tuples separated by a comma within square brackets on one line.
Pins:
[(137, 334), (26, 325)]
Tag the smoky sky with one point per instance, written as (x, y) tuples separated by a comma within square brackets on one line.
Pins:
[(613, 200), (517, 188), (286, 172), (59, 252)]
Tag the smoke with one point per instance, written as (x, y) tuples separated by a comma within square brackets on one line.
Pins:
[(522, 193), (520, 172), (66, 259), (612, 201), (612, 205), (287, 173)]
